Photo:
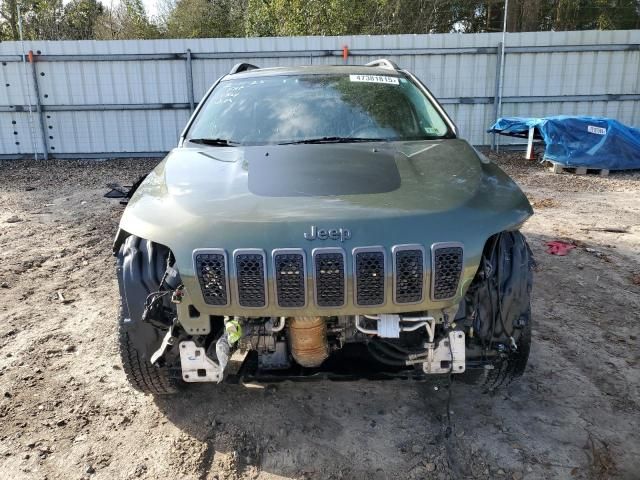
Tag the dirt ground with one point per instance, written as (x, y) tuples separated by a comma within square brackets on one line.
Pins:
[(67, 413)]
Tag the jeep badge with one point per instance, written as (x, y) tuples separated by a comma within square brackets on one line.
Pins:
[(341, 234)]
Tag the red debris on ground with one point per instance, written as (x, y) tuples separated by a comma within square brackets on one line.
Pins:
[(558, 247)]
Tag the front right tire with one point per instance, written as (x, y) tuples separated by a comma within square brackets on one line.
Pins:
[(141, 265), (140, 373)]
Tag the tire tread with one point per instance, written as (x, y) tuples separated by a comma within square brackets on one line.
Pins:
[(142, 375)]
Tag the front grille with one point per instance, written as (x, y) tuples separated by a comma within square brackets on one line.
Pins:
[(290, 277), (329, 277), (250, 275), (212, 274), (370, 277), (447, 267), (409, 270)]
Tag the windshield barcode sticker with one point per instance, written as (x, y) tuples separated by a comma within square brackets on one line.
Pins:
[(374, 79), (596, 130)]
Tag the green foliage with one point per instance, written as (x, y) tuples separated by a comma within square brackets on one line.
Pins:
[(40, 18), (83, 19), (8, 20), (126, 21), (49, 19), (312, 17), (80, 18), (206, 19), (597, 14), (341, 17)]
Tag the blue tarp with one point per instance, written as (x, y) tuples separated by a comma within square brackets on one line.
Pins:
[(592, 142)]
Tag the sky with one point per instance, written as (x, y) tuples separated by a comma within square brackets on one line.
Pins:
[(151, 6)]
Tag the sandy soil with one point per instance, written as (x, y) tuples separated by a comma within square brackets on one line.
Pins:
[(67, 413)]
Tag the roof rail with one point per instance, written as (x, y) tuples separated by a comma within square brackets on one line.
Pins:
[(383, 63), (242, 67)]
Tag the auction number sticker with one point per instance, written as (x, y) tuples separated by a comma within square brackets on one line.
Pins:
[(375, 79), (596, 130)]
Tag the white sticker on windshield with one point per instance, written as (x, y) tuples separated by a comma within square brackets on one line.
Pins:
[(375, 79), (596, 130)]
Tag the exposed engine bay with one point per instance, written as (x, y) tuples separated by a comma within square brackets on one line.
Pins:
[(301, 346)]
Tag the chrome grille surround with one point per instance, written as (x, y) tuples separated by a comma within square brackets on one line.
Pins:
[(330, 277), (250, 268), (409, 268), (447, 263), (290, 277), (369, 274), (212, 269)]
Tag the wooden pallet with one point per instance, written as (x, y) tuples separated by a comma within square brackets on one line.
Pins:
[(557, 168)]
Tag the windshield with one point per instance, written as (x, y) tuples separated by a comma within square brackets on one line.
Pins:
[(299, 108)]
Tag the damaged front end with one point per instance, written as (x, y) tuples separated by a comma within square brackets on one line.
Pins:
[(271, 348), (488, 330), (335, 347)]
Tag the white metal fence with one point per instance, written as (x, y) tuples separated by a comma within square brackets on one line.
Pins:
[(125, 98)]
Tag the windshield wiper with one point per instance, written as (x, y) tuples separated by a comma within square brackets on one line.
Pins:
[(216, 142), (334, 140)]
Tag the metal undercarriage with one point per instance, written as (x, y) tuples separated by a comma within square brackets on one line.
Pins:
[(273, 348)]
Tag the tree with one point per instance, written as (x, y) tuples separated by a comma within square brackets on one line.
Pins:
[(9, 20), (345, 17), (311, 17), (40, 19), (80, 18), (597, 14), (128, 20), (49, 19), (206, 19)]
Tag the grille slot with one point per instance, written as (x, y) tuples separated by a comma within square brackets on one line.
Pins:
[(329, 277), (211, 269), (369, 268), (251, 279), (447, 267), (409, 274), (289, 268)]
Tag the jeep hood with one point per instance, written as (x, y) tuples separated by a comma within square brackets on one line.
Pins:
[(385, 193)]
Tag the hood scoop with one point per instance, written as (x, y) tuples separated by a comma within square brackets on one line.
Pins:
[(321, 170)]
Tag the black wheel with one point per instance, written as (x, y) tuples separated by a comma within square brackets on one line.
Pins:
[(141, 265), (143, 376), (504, 369), (498, 309)]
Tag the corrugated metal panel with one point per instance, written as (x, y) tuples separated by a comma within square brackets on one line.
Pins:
[(115, 131), (16, 135), (153, 83)]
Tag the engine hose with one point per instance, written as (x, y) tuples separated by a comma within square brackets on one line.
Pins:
[(414, 355), (399, 348), (387, 361), (381, 349)]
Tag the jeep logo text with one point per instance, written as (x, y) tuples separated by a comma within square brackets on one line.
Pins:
[(341, 234)]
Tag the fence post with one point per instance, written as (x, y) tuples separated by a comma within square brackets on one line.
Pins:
[(43, 129), (530, 153), (189, 70), (496, 95)]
